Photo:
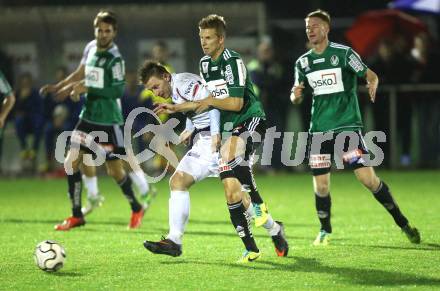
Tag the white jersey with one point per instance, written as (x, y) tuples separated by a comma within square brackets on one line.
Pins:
[(187, 87)]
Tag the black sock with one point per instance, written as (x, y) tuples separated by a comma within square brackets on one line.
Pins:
[(75, 187), (238, 218), (383, 195), (323, 208), (244, 174), (125, 185)]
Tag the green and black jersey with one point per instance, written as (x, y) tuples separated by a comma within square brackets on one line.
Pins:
[(105, 81), (227, 76), (332, 78)]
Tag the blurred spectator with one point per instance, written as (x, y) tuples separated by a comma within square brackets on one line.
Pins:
[(427, 59), (394, 66), (58, 117), (272, 86), (161, 53), (29, 118)]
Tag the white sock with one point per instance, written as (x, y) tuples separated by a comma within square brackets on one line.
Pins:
[(91, 184), (179, 204), (138, 178), (271, 226)]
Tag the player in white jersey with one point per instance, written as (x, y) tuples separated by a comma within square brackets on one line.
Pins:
[(201, 161)]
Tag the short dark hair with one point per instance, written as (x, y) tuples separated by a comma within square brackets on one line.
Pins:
[(321, 14), (214, 21), (150, 69), (107, 17)]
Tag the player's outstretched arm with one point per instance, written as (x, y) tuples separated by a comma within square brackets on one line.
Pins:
[(173, 108), (64, 85), (372, 83), (227, 104)]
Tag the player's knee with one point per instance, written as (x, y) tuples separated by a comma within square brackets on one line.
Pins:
[(177, 182), (70, 163), (371, 182), (116, 173), (322, 188), (232, 190)]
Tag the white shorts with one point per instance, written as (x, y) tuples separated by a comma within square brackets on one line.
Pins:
[(199, 161)]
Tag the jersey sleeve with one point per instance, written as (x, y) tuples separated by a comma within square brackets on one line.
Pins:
[(5, 88), (85, 53), (299, 75), (235, 77), (353, 62)]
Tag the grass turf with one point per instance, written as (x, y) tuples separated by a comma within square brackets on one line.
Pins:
[(367, 250)]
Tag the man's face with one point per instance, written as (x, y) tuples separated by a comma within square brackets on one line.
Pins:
[(104, 35), (316, 30), (211, 43), (160, 86)]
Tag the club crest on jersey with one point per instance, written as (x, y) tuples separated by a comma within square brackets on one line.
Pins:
[(205, 67), (101, 62), (334, 60)]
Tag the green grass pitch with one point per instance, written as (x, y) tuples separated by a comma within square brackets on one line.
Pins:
[(367, 251)]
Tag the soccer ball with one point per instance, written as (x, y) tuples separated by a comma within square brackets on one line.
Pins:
[(49, 256)]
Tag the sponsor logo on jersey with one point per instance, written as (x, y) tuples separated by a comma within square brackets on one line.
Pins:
[(218, 89), (229, 76), (214, 68), (355, 63), (334, 60), (304, 62), (118, 72), (205, 67), (326, 81), (94, 77), (317, 61), (189, 88)]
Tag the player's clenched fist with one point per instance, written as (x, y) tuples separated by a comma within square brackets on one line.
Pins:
[(296, 95)]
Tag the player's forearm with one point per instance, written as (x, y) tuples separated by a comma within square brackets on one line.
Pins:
[(227, 104), (295, 99), (73, 78), (372, 77), (185, 107)]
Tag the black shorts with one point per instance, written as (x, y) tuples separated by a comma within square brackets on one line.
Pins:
[(321, 154), (85, 131), (249, 130)]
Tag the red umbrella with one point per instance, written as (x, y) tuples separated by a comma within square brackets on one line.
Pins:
[(371, 27)]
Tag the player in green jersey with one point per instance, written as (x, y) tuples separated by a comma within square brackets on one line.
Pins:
[(101, 76), (7, 101), (242, 114), (330, 71)]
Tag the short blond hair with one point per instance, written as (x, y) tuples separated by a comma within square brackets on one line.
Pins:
[(321, 14), (214, 21)]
